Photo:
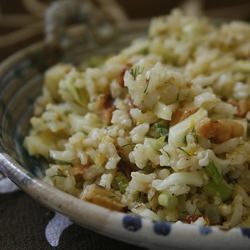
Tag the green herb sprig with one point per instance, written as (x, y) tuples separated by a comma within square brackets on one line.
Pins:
[(146, 88), (129, 144), (217, 184), (137, 70), (159, 129), (184, 151)]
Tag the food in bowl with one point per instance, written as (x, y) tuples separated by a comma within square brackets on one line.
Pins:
[(160, 129)]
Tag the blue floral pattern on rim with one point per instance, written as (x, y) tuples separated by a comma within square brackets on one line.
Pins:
[(205, 230), (246, 232), (162, 228), (132, 223), (13, 114)]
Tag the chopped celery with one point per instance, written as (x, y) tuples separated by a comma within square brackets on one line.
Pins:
[(167, 200), (164, 111), (213, 172), (178, 132), (96, 61), (223, 189), (159, 129), (79, 95), (217, 185), (156, 144), (122, 182)]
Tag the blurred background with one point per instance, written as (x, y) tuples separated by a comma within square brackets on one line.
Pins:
[(21, 21)]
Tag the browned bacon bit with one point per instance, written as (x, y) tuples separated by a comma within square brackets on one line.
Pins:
[(243, 107), (182, 113), (103, 197), (191, 218), (120, 78), (219, 131)]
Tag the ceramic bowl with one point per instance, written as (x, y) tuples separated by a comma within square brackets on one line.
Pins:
[(21, 78)]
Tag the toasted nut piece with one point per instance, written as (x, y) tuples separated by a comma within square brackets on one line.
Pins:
[(182, 113), (219, 131), (243, 107), (102, 197)]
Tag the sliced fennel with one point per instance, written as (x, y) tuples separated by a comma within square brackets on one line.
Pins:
[(177, 133)]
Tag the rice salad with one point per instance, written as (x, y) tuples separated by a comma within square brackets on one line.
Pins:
[(160, 129)]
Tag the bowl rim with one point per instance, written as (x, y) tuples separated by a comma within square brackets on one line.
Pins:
[(102, 220)]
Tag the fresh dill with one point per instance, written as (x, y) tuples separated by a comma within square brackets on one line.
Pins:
[(129, 144), (136, 71), (159, 129), (166, 152), (184, 151), (193, 132), (146, 88), (178, 97)]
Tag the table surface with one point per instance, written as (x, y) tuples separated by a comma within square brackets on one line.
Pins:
[(24, 222)]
